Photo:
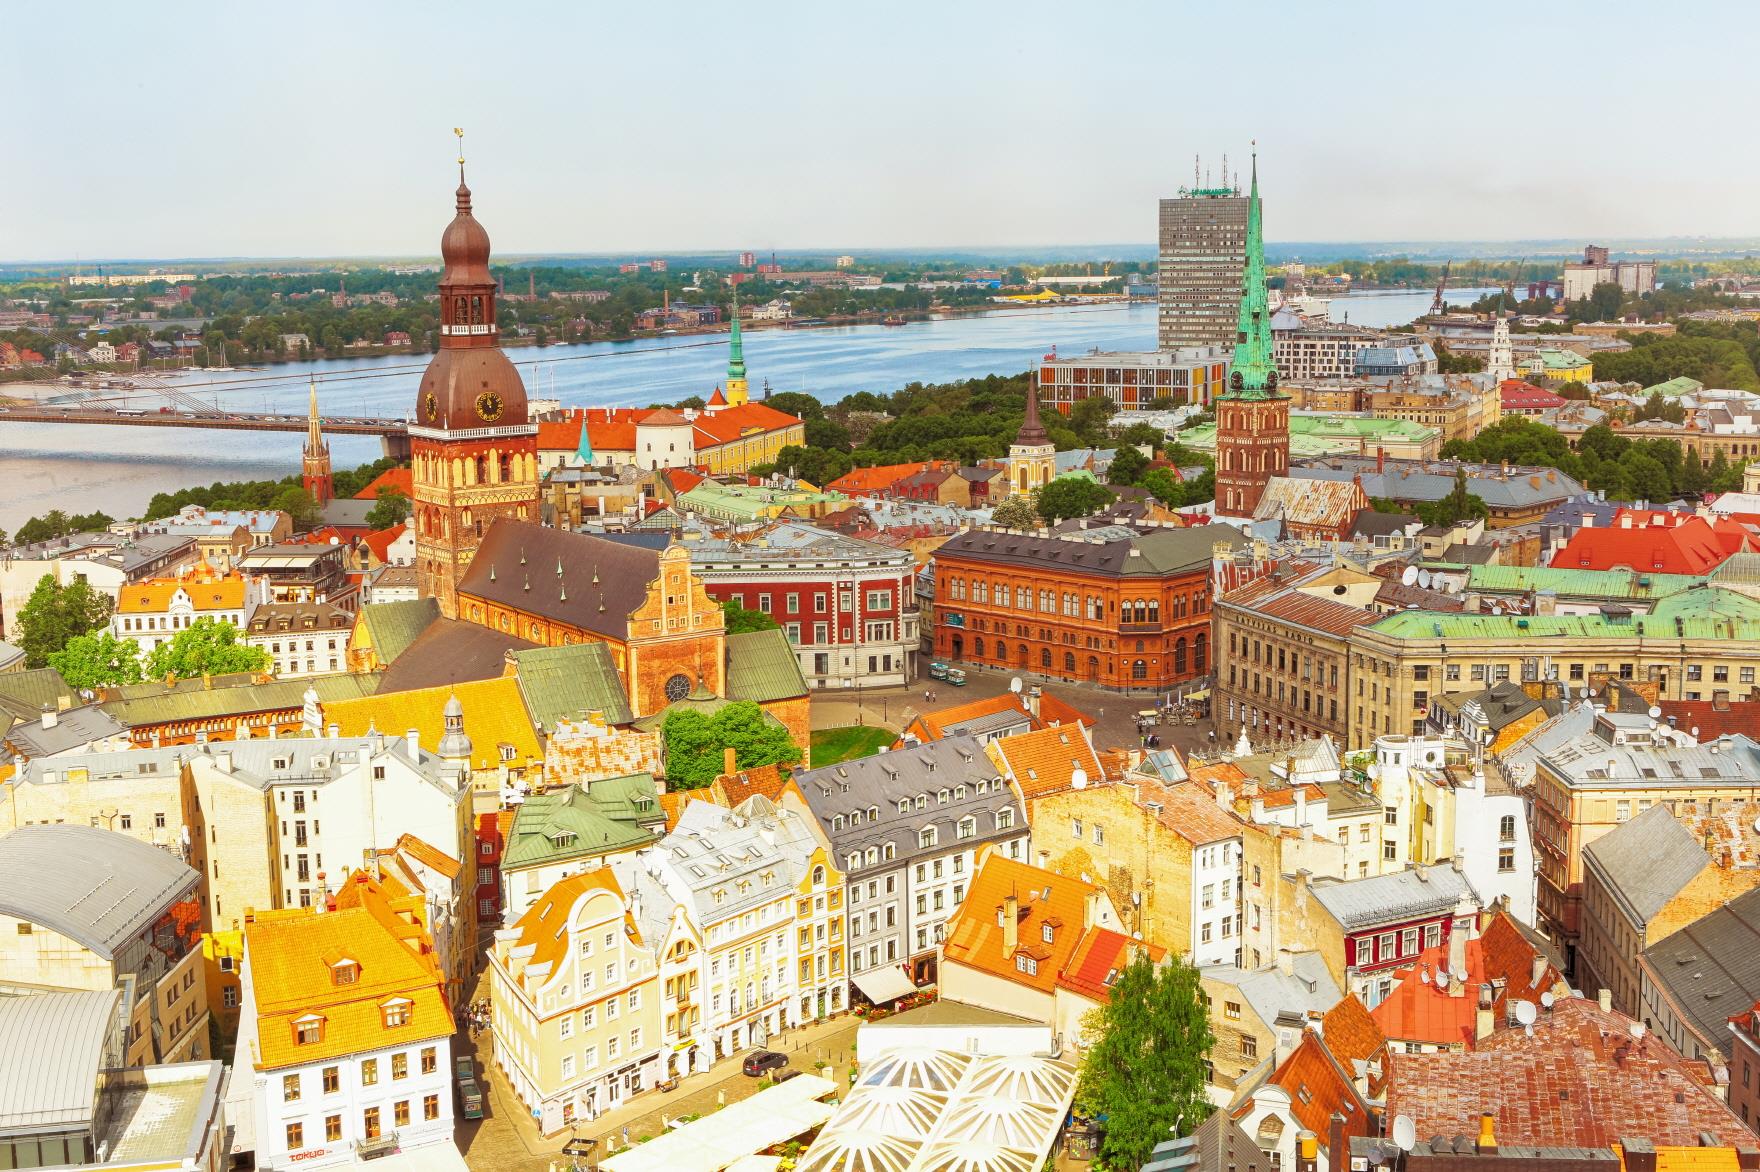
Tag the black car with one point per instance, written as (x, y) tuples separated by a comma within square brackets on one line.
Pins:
[(761, 1061)]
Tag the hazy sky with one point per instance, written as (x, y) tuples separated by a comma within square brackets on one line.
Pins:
[(324, 129)]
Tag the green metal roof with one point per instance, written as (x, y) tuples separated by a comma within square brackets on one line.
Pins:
[(1702, 612), (1321, 435), (1610, 584), (761, 666), (393, 626), (1253, 372), (1675, 387), (176, 704), (23, 693), (565, 683), (749, 502), (616, 814), (1562, 360)]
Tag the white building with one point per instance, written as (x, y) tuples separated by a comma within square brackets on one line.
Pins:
[(345, 1035), (152, 613), (300, 638), (665, 439)]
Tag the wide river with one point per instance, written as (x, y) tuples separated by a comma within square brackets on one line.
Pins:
[(118, 469)]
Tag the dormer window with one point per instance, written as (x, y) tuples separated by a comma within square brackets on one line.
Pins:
[(308, 1031), (344, 972), (1026, 964), (926, 837), (922, 801), (873, 813), (395, 1013), (941, 797), (959, 793), (904, 806), (1047, 933)]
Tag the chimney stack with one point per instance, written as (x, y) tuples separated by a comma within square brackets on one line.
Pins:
[(1640, 1154), (1484, 1021), (1487, 1145), (1011, 911), (1307, 1152), (729, 761), (1605, 999)]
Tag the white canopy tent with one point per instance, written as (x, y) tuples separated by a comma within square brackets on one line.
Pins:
[(735, 1133)]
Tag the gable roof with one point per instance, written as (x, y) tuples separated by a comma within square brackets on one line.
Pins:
[(398, 478), (1647, 860), (1046, 902), (1710, 969), (393, 626), (574, 578), (565, 683), (1319, 1087), (1045, 761), (1691, 547), (544, 927), (494, 715), (1098, 959), (1380, 899), (450, 651), (610, 815), (762, 666)]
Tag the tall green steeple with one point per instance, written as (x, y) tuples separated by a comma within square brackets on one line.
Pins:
[(736, 359), (1254, 372)]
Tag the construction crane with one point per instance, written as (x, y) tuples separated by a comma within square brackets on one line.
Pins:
[(1436, 305)]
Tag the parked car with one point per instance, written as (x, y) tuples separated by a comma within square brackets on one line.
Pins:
[(762, 1061)]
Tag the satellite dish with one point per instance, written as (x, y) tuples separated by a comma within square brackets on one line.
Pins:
[(1695, 732), (1405, 1133), (1424, 579), (1014, 685), (1079, 779), (1460, 974), (1410, 576), (1547, 999), (1424, 975), (1526, 1014), (1655, 712), (1497, 608)]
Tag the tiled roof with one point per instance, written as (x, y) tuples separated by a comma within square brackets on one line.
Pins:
[(761, 666), (429, 855), (1319, 1088), (1422, 1009), (611, 429), (732, 423), (1581, 1080), (544, 927), (565, 683), (381, 540), (864, 480), (1327, 615), (599, 584), (560, 435), (1045, 761), (290, 954), (1190, 810), (1322, 504), (1098, 959), (205, 592), (1046, 901), (450, 651), (1351, 1034), (397, 478), (494, 715)]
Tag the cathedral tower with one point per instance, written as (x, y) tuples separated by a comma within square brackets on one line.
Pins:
[(1032, 460), (474, 453), (1252, 415), (314, 472), (737, 394)]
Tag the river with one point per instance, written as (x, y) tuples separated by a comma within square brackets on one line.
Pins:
[(118, 469)]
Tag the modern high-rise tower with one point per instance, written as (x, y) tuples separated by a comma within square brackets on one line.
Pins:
[(1252, 415), (1203, 250)]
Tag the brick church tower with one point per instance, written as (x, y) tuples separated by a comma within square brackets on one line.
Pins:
[(474, 454), (1252, 415), (315, 459)]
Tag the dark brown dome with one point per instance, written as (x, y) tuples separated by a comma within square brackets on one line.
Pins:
[(464, 247), (468, 388)]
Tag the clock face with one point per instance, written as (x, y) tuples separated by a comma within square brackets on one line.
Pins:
[(489, 406), (431, 406)]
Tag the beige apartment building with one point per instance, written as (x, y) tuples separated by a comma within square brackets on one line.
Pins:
[(576, 1008)]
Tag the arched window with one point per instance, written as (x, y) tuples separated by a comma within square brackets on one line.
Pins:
[(506, 466), (888, 852), (978, 648), (1200, 652), (1001, 651), (818, 876), (1069, 662), (1139, 670), (1093, 667), (1179, 656), (1045, 658), (482, 470)]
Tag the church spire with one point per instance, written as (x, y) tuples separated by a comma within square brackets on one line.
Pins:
[(314, 435), (315, 460), (1032, 432), (1254, 374), (737, 392)]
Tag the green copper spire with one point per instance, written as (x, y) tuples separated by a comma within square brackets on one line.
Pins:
[(736, 350), (1254, 374)]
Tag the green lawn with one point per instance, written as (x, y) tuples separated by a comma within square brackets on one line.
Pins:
[(831, 745)]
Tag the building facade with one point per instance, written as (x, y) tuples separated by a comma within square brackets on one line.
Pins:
[(1203, 243), (1133, 381), (473, 452)]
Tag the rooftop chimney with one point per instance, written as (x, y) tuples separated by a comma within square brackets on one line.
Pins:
[(1487, 1144), (1640, 1154), (1011, 910), (729, 761), (1484, 1021), (50, 717), (1605, 999)]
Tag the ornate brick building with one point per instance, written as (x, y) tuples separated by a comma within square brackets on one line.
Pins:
[(1129, 613), (1252, 416), (474, 453), (315, 459)]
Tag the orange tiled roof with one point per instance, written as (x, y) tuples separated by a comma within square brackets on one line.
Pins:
[(737, 787), (1191, 811), (974, 935), (559, 435), (1351, 1033), (398, 478), (544, 924), (611, 429), (429, 855), (864, 480), (733, 422), (1045, 761), (1318, 1088), (206, 592), (1691, 547), (380, 540), (291, 954)]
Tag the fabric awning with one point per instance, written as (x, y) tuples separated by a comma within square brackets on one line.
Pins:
[(883, 984)]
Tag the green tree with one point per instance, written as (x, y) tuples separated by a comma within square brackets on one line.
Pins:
[(98, 660), (1145, 1072), (53, 615), (390, 507), (1016, 512), (299, 504), (1072, 496), (1089, 417), (206, 647), (1605, 300), (826, 433), (1459, 505), (814, 465), (1142, 435), (1448, 362), (695, 743), (740, 620), (1128, 466), (1572, 389), (797, 403)]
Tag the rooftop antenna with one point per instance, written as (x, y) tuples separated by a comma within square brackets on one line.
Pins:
[(1195, 175)]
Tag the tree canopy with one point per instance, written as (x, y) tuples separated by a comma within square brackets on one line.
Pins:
[(1072, 496), (695, 743), (390, 507), (56, 523), (1144, 1072), (205, 647), (53, 615), (1016, 512), (98, 660), (740, 620)]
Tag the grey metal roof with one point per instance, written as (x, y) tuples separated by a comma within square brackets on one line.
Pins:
[(52, 1046), (881, 781), (1592, 762), (1270, 991), (94, 886), (1711, 967), (1402, 895), (73, 729), (1648, 860), (721, 856), (1410, 480)]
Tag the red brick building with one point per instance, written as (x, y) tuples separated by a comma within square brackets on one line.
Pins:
[(491, 842), (473, 451), (1131, 613)]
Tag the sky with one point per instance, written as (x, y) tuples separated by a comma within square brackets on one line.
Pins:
[(325, 129)]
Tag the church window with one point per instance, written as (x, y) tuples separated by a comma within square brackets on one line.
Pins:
[(678, 687)]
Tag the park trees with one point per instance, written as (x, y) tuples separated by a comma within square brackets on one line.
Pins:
[(205, 647), (1072, 496), (98, 660), (55, 614), (694, 743)]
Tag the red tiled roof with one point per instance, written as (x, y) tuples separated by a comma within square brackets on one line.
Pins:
[(1740, 716), (717, 399), (1581, 1080), (734, 422), (1322, 614), (1045, 761), (380, 540), (398, 478), (612, 429), (682, 480), (863, 480), (1102, 953), (1318, 1088), (1691, 547), (559, 435), (1046, 900), (1518, 395), (1351, 1032)]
